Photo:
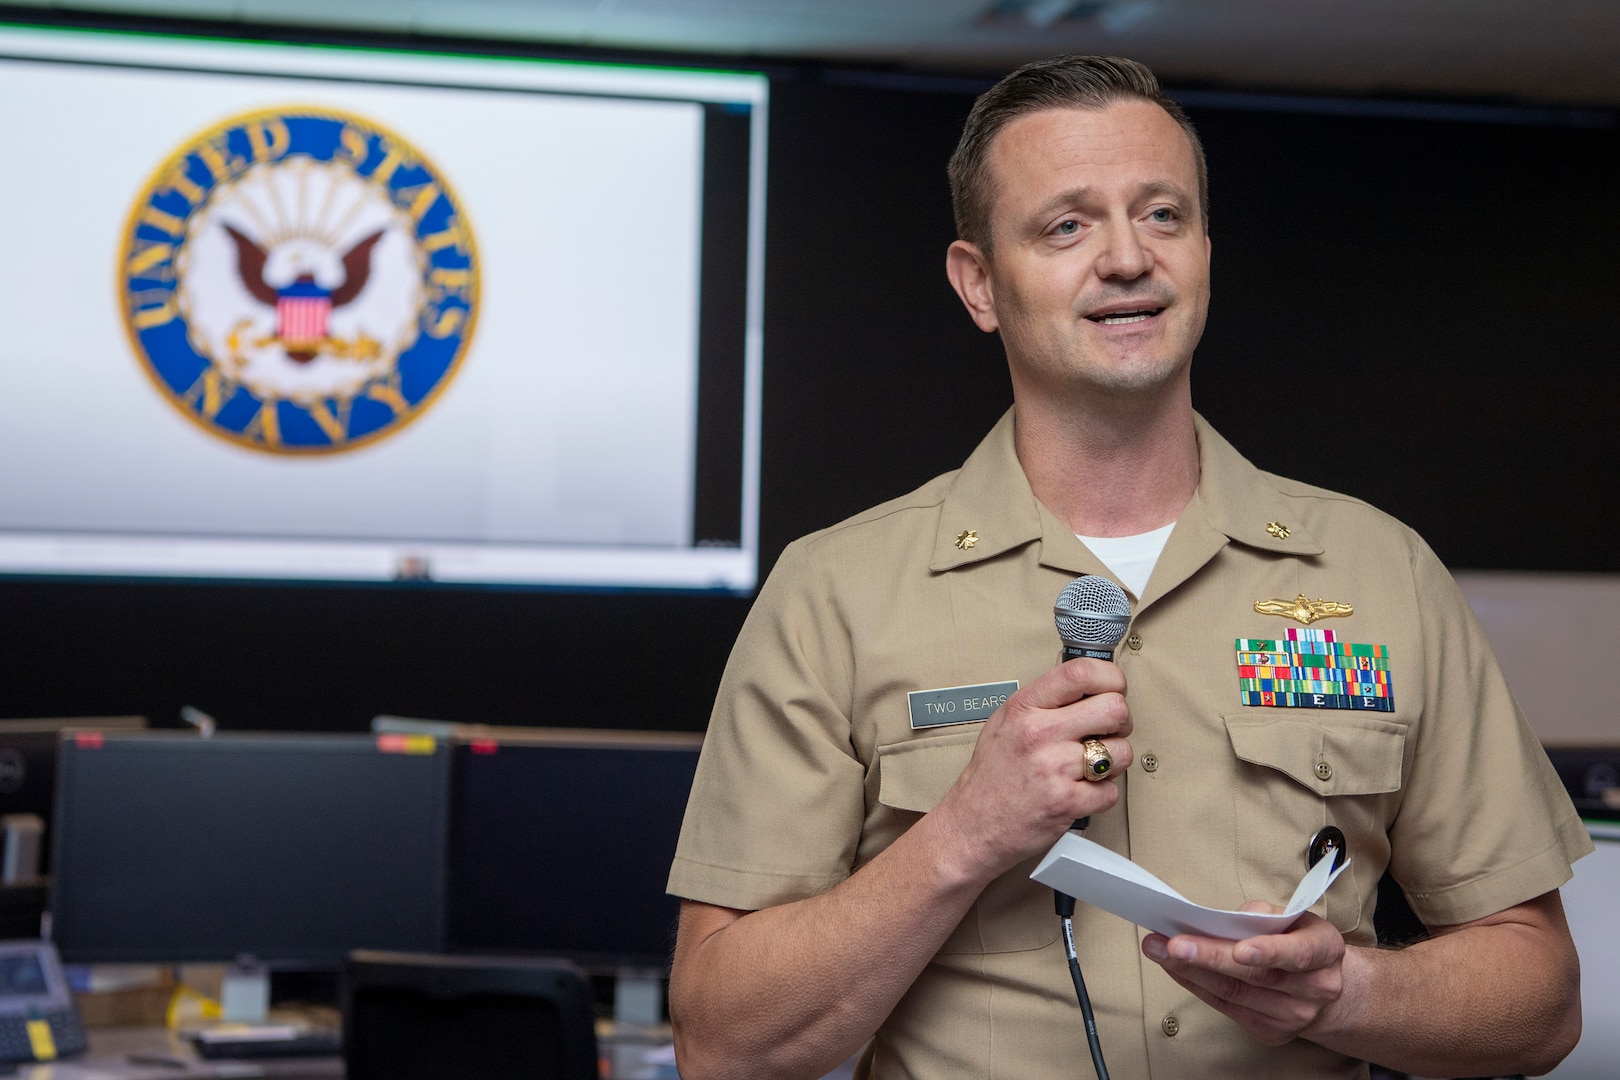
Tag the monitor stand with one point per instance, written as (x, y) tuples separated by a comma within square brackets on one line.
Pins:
[(638, 997), (244, 997)]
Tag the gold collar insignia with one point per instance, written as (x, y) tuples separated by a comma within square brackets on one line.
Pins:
[(1302, 610)]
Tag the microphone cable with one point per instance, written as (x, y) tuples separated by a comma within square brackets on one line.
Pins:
[(1091, 613), (1065, 911)]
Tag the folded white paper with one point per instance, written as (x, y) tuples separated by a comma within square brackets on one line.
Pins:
[(1094, 875)]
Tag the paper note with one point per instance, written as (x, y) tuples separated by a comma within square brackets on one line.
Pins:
[(1094, 875)]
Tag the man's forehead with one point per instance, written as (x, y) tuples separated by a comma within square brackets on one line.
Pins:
[(1128, 130), (1046, 159)]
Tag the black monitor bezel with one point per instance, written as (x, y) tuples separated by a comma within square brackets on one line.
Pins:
[(527, 741), (66, 879)]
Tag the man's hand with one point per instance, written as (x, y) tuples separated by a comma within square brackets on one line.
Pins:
[(1492, 997), (1275, 986), (794, 989), (1026, 782)]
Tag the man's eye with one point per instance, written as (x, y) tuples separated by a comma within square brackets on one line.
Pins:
[(1163, 215), (1067, 228)]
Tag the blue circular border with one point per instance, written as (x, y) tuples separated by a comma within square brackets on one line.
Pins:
[(149, 286)]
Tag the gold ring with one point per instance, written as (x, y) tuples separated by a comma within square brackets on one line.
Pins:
[(1099, 762)]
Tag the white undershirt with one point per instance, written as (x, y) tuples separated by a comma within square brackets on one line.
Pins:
[(1131, 558)]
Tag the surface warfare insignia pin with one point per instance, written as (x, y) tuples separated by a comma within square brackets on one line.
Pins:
[(299, 280), (1304, 611)]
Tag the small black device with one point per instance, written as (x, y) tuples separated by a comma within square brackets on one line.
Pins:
[(38, 1021)]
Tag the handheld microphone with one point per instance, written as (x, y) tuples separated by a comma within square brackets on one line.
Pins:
[(1091, 615)]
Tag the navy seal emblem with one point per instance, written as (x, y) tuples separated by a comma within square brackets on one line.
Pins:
[(299, 280)]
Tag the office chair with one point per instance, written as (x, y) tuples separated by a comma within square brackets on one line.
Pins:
[(413, 1016)]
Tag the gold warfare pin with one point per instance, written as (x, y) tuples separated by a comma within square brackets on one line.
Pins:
[(1303, 610)]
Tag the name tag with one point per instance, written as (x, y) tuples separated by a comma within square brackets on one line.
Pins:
[(958, 704)]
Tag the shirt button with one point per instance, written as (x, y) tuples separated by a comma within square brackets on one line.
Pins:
[(1170, 1025), (1150, 762), (1324, 771), (1135, 642)]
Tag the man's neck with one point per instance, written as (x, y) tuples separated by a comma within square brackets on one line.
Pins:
[(1111, 468)]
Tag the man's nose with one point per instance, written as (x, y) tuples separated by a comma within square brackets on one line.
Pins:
[(1124, 255)]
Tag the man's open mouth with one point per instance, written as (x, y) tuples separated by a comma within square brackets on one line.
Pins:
[(1120, 318)]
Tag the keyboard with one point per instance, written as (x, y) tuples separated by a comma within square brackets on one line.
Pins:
[(267, 1041)]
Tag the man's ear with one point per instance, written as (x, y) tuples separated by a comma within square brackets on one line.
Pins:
[(969, 272)]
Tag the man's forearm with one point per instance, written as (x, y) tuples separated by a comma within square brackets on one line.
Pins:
[(1501, 995), (793, 991)]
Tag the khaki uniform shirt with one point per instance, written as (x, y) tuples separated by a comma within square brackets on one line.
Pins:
[(811, 765)]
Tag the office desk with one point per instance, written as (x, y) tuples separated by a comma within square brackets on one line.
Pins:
[(144, 1053)]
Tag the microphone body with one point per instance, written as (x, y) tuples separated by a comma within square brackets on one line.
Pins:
[(1091, 615)]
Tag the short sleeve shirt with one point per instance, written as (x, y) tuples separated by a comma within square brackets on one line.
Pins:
[(811, 764)]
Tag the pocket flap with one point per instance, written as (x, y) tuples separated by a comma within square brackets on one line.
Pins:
[(915, 775), (1348, 755)]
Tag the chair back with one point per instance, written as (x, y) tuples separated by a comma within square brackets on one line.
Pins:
[(414, 1016)]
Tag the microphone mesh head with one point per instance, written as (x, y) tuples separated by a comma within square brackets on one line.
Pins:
[(1092, 611)]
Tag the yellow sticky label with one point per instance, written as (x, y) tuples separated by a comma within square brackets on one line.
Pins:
[(39, 1035), (394, 743)]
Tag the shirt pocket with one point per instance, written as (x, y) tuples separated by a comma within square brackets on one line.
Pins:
[(1013, 913), (914, 775), (1296, 775)]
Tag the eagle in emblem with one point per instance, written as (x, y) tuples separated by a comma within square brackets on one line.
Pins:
[(302, 307)]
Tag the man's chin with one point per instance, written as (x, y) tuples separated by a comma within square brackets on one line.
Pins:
[(1133, 377)]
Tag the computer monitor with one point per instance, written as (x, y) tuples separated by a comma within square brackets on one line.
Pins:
[(1591, 775), (446, 356), (290, 850), (561, 842), (28, 762)]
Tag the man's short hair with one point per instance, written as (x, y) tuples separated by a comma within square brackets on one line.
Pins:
[(1060, 82)]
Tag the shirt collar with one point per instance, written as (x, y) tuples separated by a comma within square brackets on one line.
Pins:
[(1237, 499), (989, 508)]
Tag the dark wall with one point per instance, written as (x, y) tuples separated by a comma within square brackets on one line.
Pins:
[(1421, 312), (1425, 314)]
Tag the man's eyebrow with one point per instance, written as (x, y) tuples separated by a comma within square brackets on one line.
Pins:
[(1165, 189), (1062, 199)]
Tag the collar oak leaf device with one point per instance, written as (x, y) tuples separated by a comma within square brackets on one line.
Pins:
[(1091, 615)]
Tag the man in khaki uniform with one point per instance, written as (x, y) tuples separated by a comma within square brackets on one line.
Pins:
[(893, 747)]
